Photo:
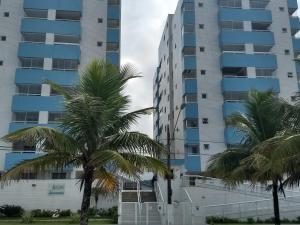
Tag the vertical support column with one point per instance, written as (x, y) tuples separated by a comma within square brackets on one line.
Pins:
[(245, 4), (49, 38), (51, 14)]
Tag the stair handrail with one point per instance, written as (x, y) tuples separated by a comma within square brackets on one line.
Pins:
[(158, 192)]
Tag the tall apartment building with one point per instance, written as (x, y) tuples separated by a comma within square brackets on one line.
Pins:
[(212, 52), (44, 40)]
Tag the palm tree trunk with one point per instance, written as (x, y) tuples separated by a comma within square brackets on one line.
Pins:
[(276, 203), (87, 193)]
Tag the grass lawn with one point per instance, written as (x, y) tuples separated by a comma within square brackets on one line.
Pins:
[(99, 222)]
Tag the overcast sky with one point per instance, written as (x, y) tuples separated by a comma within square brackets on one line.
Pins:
[(142, 25)]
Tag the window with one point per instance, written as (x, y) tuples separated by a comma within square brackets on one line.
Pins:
[(232, 25), (200, 4), (202, 49), (31, 117), (100, 20), (206, 146), (28, 90), (286, 52), (231, 3), (3, 38), (281, 9), (204, 95), (6, 14), (191, 98), (99, 43), (23, 147), (203, 72), (55, 117), (191, 123), (32, 63), (201, 26), (290, 75), (284, 30), (1, 63), (192, 149), (65, 64), (205, 120), (28, 175), (59, 176)]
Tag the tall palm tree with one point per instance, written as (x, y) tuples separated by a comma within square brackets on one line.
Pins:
[(265, 117), (94, 134)]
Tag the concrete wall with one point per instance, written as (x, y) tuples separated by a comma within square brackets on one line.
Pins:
[(36, 194), (10, 27)]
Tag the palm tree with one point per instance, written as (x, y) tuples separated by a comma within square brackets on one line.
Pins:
[(253, 160), (94, 134)]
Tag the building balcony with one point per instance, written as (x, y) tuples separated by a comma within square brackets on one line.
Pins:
[(233, 136), (297, 67), (230, 108), (65, 5), (264, 61), (188, 17), (295, 24), (192, 163), (191, 135), (191, 110), (15, 126), (190, 86), (113, 12), (189, 62), (247, 84), (58, 51), (293, 6), (60, 27), (14, 158), (37, 103), (296, 45), (113, 35), (113, 58), (39, 76), (238, 37), (189, 40), (254, 15)]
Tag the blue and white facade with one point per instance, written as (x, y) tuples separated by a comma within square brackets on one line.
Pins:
[(212, 52), (48, 40)]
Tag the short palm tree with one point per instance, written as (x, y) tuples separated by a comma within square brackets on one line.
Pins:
[(94, 134), (265, 117)]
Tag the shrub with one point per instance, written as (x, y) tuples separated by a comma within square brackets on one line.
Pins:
[(75, 219), (65, 213), (115, 215), (250, 220), (11, 210), (215, 219), (92, 212), (41, 213), (27, 218)]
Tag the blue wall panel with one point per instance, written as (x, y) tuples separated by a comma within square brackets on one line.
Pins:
[(190, 86), (264, 61), (14, 126), (190, 62), (36, 50), (247, 84), (113, 12), (230, 37), (192, 135), (233, 136), (191, 110), (113, 58), (67, 5), (113, 35), (13, 159), (37, 76), (37, 103), (233, 107), (193, 163), (256, 15), (51, 26)]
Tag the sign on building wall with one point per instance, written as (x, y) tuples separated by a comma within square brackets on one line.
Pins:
[(56, 189)]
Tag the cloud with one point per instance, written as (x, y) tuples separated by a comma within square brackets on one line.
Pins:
[(142, 26)]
